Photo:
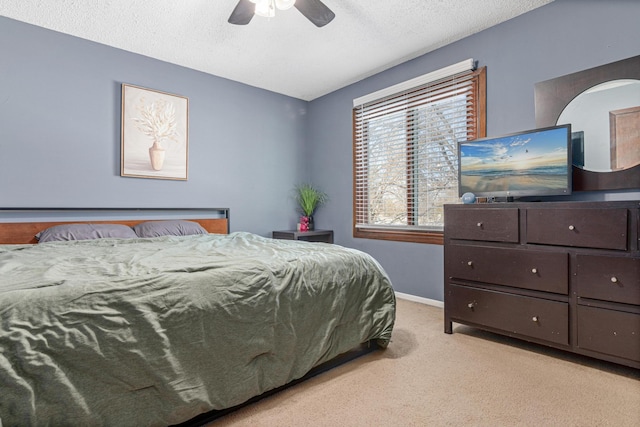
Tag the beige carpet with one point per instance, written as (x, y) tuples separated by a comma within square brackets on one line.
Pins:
[(470, 378)]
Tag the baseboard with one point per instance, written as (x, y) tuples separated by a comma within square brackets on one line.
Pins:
[(421, 300)]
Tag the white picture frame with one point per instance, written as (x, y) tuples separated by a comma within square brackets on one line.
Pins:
[(154, 134)]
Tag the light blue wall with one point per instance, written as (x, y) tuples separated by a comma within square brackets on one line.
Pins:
[(60, 133), (563, 37)]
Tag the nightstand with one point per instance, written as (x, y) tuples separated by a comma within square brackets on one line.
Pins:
[(325, 236)]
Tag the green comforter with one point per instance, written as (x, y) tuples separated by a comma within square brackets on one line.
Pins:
[(156, 331)]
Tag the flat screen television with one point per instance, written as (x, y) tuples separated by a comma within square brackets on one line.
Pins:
[(535, 162)]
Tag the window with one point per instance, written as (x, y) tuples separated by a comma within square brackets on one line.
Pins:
[(405, 152)]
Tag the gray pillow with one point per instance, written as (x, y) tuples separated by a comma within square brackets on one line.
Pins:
[(177, 227), (85, 232)]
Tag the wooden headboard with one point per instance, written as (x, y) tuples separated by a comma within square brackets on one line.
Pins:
[(25, 232)]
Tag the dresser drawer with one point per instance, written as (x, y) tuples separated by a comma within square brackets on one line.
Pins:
[(517, 315), (587, 228), (492, 224), (609, 332), (536, 270), (609, 278)]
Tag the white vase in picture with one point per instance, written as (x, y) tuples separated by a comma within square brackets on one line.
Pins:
[(156, 154)]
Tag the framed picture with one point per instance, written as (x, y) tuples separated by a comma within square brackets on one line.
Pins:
[(155, 134)]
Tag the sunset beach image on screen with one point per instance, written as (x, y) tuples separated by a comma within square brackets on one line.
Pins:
[(535, 162)]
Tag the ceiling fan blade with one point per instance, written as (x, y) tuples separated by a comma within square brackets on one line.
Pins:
[(315, 11), (243, 13)]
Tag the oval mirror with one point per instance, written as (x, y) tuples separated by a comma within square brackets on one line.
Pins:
[(610, 166), (604, 124)]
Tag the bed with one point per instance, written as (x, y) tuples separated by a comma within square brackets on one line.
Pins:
[(120, 331)]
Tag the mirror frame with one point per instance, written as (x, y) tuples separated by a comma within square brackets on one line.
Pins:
[(551, 98)]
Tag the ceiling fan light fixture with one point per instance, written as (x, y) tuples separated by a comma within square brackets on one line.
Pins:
[(314, 10), (265, 8), (285, 4)]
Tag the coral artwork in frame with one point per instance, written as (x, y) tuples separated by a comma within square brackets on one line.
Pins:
[(155, 134)]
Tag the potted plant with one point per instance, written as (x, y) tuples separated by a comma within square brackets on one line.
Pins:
[(308, 198)]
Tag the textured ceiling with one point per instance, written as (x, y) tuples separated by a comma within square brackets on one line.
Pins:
[(286, 54)]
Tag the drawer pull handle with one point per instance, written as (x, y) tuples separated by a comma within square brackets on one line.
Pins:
[(479, 224), (534, 270), (534, 318), (614, 279), (471, 305), (571, 227), (470, 263)]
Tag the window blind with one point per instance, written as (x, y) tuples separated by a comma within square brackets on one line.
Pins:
[(405, 149)]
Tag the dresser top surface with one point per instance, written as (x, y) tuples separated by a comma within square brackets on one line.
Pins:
[(629, 204)]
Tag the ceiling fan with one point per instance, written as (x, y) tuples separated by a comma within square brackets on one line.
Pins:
[(314, 10)]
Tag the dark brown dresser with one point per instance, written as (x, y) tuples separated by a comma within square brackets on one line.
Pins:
[(562, 274)]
